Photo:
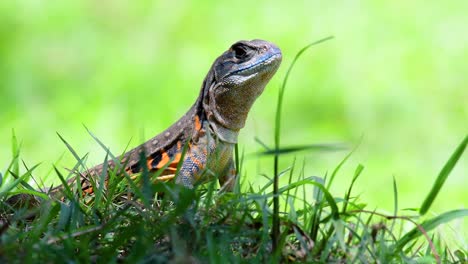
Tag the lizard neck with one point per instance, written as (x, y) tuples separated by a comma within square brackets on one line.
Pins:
[(206, 111), (224, 134)]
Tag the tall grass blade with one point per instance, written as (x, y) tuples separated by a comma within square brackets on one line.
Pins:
[(289, 182), (395, 202), (358, 172), (275, 227), (444, 173), (15, 149)]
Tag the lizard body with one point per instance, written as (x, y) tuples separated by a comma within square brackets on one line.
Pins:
[(211, 125)]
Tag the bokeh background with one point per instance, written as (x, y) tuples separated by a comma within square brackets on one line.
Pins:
[(395, 74)]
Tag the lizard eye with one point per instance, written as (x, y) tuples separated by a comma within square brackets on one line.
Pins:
[(239, 51)]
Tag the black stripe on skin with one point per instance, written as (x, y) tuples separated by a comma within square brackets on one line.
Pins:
[(135, 168), (157, 156)]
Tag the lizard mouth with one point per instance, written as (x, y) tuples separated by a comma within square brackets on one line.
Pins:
[(267, 62)]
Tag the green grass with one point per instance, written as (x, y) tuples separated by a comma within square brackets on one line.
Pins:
[(301, 221), (129, 223)]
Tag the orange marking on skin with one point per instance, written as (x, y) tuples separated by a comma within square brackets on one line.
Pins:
[(148, 163), (164, 159), (176, 160), (196, 161), (88, 190), (174, 165), (197, 123)]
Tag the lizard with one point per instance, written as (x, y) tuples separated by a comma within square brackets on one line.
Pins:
[(209, 128)]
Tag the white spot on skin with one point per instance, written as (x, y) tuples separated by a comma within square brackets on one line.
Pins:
[(167, 134), (155, 142)]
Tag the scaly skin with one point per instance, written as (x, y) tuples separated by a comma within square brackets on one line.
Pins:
[(211, 126)]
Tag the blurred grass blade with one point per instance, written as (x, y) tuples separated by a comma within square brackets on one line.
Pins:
[(395, 202), (263, 144), (15, 149), (340, 232), (429, 225), (444, 173), (358, 172), (104, 147), (101, 178), (8, 170), (6, 189), (395, 197), (80, 161), (31, 192), (335, 171), (289, 182), (317, 193), (270, 181), (25, 181), (313, 147), (66, 188)]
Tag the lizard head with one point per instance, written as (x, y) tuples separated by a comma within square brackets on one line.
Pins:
[(236, 79)]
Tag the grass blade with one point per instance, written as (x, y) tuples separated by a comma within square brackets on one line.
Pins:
[(80, 161), (327, 195), (10, 186), (275, 228), (429, 225), (312, 147), (358, 172), (444, 173), (335, 171)]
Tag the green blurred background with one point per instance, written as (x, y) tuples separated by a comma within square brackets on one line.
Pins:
[(395, 75)]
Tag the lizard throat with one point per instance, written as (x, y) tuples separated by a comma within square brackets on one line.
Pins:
[(224, 134)]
